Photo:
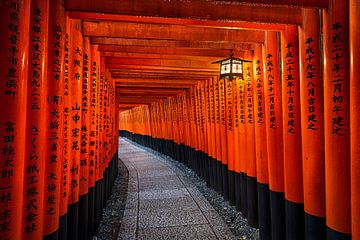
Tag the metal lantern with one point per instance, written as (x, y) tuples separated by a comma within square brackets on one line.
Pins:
[(231, 67)]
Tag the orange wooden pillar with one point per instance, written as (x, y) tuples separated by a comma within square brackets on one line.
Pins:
[(252, 209), (242, 147), (260, 145), (212, 135), (36, 124), (217, 116), (236, 119), (84, 141), (312, 121), (354, 117), (14, 32), (223, 135), (337, 120), (204, 150), (65, 173), (93, 80), (230, 138), (75, 120), (208, 137), (274, 140), (294, 207), (55, 114)]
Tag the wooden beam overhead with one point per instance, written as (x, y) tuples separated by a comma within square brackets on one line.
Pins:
[(212, 10), (170, 43), (93, 16), (154, 81), (156, 56), (220, 53), (115, 67), (155, 85), (169, 32), (161, 62)]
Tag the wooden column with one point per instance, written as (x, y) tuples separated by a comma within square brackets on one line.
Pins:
[(75, 94), (64, 189), (250, 145), (224, 144), (218, 136), (312, 121), (14, 32), (230, 138), (36, 125), (260, 144), (337, 120), (294, 208), (55, 114), (354, 117), (274, 140)]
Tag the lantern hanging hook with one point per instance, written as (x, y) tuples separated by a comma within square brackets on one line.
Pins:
[(231, 53)]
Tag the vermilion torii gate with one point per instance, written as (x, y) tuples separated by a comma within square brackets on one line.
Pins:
[(280, 144)]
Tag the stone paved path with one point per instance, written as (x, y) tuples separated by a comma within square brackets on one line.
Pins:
[(162, 203)]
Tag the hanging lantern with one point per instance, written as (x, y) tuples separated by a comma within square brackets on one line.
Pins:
[(231, 67)]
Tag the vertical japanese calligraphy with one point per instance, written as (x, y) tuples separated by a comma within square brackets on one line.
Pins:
[(36, 124), (55, 101), (312, 131), (337, 120), (14, 25)]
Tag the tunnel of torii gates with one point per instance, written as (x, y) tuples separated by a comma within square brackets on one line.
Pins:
[(281, 143)]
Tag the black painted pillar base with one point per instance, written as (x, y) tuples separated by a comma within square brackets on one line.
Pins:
[(63, 223), (73, 221), (335, 235), (214, 173), (220, 177), (277, 209), (252, 202), (231, 175), (244, 198), (83, 217), (238, 191), (294, 216), (264, 211), (91, 215), (225, 177), (315, 227)]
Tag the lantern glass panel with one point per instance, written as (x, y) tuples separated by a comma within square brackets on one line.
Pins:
[(237, 67), (225, 67)]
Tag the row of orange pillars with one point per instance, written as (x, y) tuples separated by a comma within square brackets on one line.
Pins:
[(58, 127), (282, 144)]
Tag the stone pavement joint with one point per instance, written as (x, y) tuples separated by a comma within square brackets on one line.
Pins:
[(162, 204)]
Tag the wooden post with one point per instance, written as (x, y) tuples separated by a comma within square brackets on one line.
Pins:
[(274, 140), (294, 207), (14, 32), (337, 120), (260, 145), (36, 125), (312, 121), (354, 117)]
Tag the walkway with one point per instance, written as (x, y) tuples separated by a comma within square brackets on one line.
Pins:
[(162, 203)]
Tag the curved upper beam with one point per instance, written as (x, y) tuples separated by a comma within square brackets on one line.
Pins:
[(212, 10)]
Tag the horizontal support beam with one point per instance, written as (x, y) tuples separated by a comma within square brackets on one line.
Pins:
[(166, 43), (154, 80), (157, 56), (297, 3), (162, 63), (93, 16), (155, 86), (212, 10), (114, 67), (216, 53), (166, 32)]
